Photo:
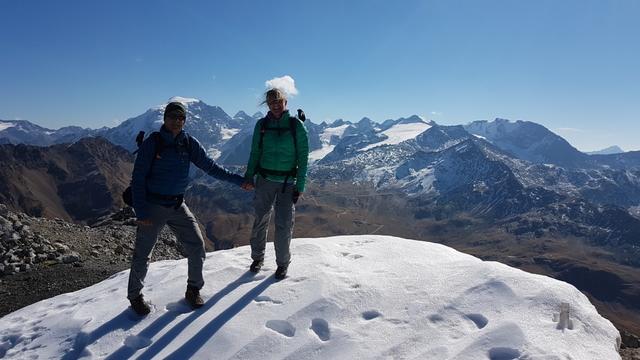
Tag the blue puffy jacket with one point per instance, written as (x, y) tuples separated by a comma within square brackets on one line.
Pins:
[(168, 174)]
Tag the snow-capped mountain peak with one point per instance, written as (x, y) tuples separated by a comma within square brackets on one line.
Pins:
[(403, 130), (529, 141), (6, 124), (184, 100)]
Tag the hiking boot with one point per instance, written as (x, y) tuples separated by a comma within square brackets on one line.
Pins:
[(193, 297), (256, 265), (140, 306), (281, 272)]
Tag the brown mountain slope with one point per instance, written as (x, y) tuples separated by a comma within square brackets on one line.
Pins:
[(77, 182)]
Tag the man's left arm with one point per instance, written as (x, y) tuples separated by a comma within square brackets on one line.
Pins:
[(200, 159)]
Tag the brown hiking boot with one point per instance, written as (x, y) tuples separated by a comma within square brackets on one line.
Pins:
[(193, 297), (256, 265), (140, 306), (281, 272)]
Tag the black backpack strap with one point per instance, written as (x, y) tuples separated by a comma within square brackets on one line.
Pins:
[(293, 127), (293, 124), (159, 143), (263, 128), (188, 143)]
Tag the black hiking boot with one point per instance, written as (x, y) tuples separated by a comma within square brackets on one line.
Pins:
[(281, 272), (140, 306), (193, 297), (256, 265)]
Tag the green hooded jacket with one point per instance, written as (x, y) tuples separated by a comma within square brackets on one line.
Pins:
[(278, 151)]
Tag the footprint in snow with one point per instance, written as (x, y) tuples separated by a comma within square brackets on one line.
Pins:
[(478, 319), (137, 342), (351, 256), (282, 327), (179, 307), (503, 353), (321, 328), (371, 314), (266, 299)]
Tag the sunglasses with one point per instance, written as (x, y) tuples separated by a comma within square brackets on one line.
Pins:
[(177, 117)]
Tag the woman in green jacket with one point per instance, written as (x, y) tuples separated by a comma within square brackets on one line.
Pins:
[(278, 161)]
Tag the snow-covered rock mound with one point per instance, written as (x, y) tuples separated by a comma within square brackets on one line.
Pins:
[(348, 297)]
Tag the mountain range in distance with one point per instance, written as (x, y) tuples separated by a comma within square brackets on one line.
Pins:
[(511, 191), (411, 155), (214, 128)]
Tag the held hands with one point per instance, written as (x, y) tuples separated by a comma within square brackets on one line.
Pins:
[(247, 185)]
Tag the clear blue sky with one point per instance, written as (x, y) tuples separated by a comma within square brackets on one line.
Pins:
[(571, 65)]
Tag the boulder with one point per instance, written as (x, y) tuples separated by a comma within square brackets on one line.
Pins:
[(71, 258)]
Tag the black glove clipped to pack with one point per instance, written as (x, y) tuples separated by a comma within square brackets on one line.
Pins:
[(296, 195)]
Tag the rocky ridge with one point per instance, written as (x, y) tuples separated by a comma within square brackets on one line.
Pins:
[(40, 257)]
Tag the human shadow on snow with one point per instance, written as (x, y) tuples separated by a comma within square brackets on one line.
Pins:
[(121, 321), (125, 352), (190, 347)]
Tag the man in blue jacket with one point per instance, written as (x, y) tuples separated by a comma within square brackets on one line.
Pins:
[(159, 180)]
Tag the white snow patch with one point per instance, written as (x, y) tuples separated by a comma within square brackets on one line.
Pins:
[(6, 125), (480, 137), (329, 133), (346, 297), (214, 153), (399, 133), (325, 139), (228, 133), (319, 154), (183, 100)]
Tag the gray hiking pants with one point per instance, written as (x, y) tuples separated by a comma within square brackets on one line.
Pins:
[(186, 229), (266, 194)]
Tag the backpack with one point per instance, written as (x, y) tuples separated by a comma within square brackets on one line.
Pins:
[(292, 128), (127, 195)]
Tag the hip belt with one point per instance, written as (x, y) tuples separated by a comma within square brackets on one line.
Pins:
[(176, 200)]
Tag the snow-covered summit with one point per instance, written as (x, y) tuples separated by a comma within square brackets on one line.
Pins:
[(6, 124), (184, 100), (530, 141), (402, 130), (345, 297)]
